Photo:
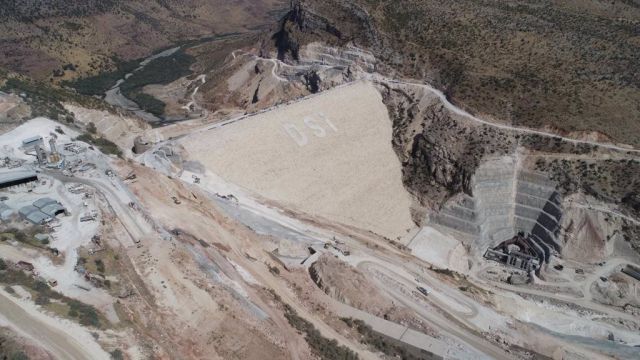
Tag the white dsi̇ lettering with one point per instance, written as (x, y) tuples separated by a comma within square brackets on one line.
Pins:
[(313, 125), (298, 136), (326, 119)]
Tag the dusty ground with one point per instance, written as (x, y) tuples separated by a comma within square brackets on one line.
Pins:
[(348, 285), (201, 304), (12, 111)]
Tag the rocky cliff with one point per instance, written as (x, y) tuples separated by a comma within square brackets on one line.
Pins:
[(439, 153), (334, 23)]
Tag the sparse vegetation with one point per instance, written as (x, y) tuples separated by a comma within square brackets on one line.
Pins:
[(105, 145), (321, 346), (162, 70), (117, 354), (97, 85), (10, 348), (147, 102), (44, 100), (615, 181), (99, 265), (274, 269), (43, 294), (26, 236), (573, 65), (384, 344)]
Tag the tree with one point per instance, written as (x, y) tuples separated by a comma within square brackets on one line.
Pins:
[(117, 354)]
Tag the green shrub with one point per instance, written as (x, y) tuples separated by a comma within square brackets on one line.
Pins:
[(116, 354), (42, 299), (99, 84), (19, 356), (99, 265), (106, 146), (147, 102)]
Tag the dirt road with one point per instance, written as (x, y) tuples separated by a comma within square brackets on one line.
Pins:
[(57, 340)]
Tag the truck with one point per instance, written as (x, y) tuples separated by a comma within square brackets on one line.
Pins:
[(424, 291)]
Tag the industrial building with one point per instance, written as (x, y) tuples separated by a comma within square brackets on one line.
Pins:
[(49, 206), (34, 215), (632, 271), (17, 177), (32, 142), (42, 211)]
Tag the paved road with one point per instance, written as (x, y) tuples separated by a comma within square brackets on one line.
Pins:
[(446, 325), (54, 339), (393, 330)]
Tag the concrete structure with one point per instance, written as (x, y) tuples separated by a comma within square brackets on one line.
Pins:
[(17, 177), (52, 146), (140, 145), (514, 259), (41, 155)]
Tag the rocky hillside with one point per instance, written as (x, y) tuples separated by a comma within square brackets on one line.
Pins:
[(570, 64), (60, 39), (334, 23)]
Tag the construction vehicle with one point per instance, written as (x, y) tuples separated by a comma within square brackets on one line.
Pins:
[(424, 291)]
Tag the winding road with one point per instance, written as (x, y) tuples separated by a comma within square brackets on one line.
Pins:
[(461, 309), (456, 110)]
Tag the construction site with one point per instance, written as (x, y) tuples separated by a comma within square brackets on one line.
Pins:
[(368, 219)]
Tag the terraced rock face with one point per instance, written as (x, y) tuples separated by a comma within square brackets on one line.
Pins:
[(505, 202)]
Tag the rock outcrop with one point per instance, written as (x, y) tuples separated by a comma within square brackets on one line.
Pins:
[(439, 153), (333, 22), (348, 285)]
